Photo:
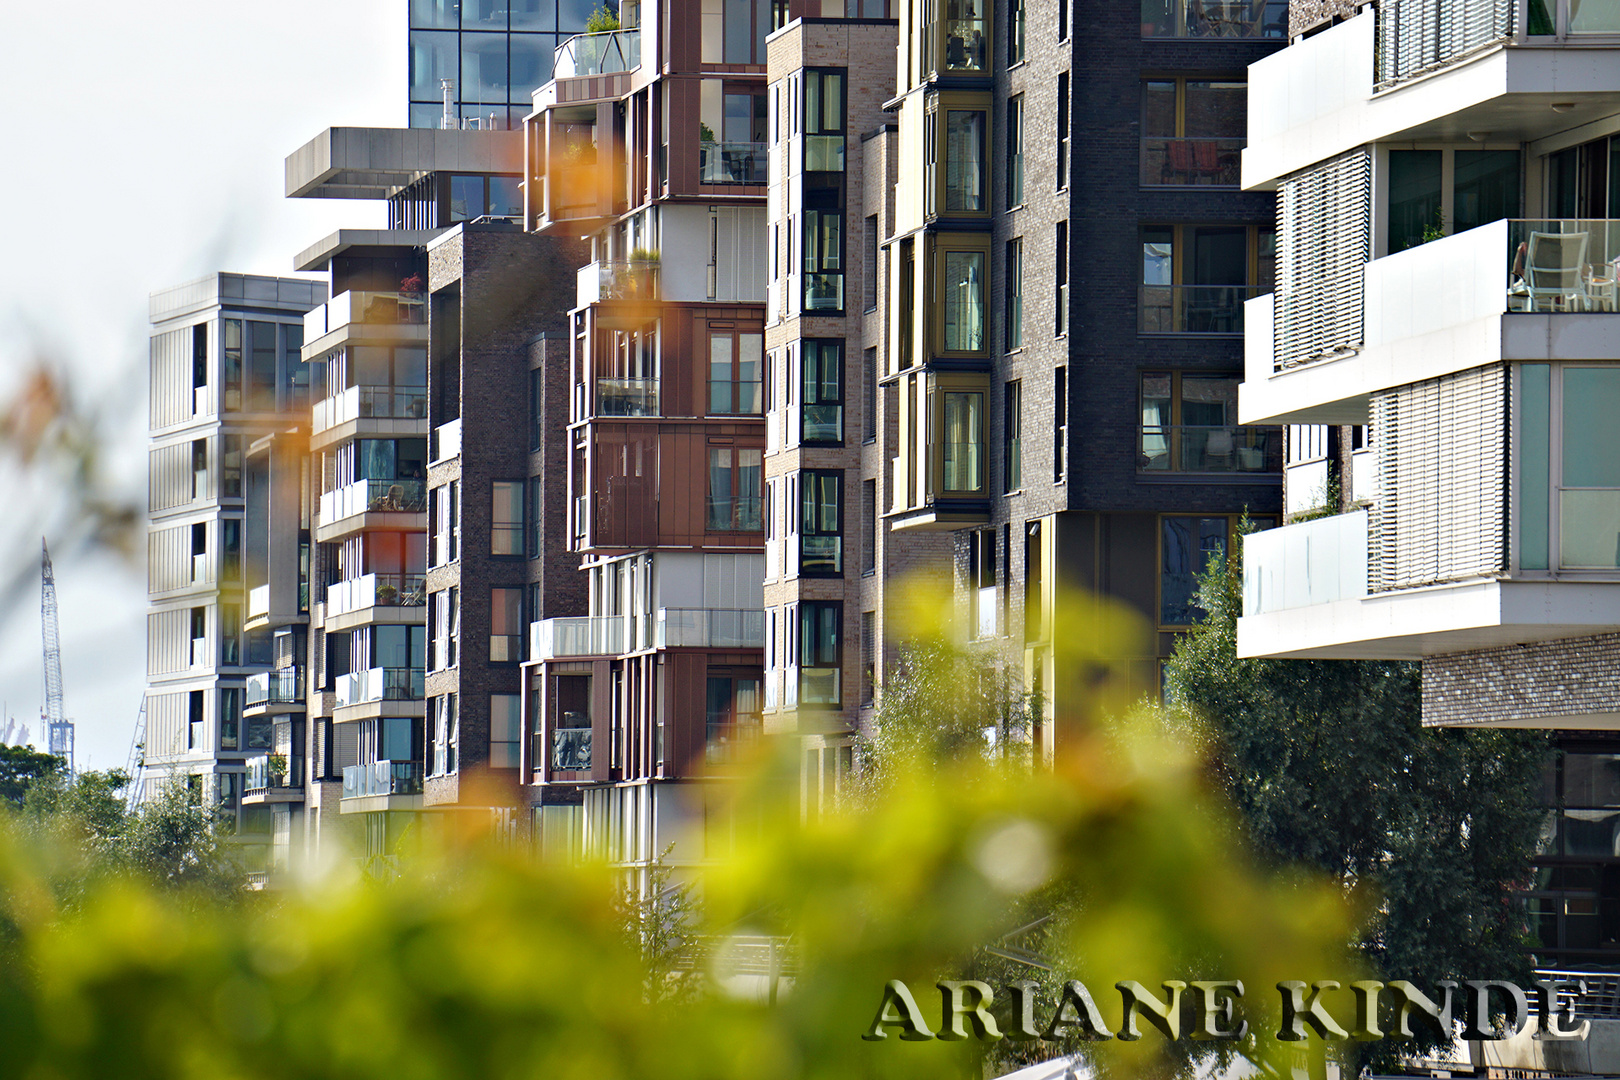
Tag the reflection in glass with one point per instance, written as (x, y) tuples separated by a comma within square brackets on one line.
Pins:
[(964, 160), (433, 57), (436, 14), (532, 56), (963, 286), (963, 451), (1414, 196), (1187, 547), (483, 69)]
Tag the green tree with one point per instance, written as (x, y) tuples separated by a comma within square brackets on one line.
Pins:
[(21, 767), (602, 20), (1329, 766)]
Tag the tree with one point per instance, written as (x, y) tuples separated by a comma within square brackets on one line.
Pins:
[(21, 767), (1329, 766), (602, 20)]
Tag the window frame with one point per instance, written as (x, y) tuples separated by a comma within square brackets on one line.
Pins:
[(810, 489), (944, 245), (508, 528), (739, 519), (1180, 240), (812, 615), (813, 359)]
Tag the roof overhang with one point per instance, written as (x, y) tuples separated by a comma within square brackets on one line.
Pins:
[(375, 163)]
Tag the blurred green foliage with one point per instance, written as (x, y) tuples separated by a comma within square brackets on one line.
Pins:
[(479, 960)]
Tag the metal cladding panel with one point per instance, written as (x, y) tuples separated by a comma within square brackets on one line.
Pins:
[(1324, 233), (1443, 462)]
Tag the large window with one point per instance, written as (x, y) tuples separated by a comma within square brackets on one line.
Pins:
[(1193, 131), (962, 453), (1569, 501), (1015, 151), (505, 727), (1215, 18), (736, 483), (1573, 899), (1013, 305), (392, 382), (1433, 193), (1195, 278), (571, 723), (1188, 546), (821, 523), (505, 625), (823, 121), (823, 260), (736, 372), (506, 517), (958, 188), (821, 653), (961, 283), (822, 403), (1012, 423), (1189, 424), (733, 720)]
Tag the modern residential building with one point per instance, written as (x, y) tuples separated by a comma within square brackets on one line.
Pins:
[(1443, 340), (226, 371), (493, 53)]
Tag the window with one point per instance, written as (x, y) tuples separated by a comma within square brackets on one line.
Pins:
[(446, 524), (1061, 277), (1063, 20), (536, 541), (505, 727), (1191, 18), (1012, 423), (868, 657), (823, 260), (230, 633), (230, 717), (733, 720), (963, 450), (1193, 131), (736, 362), (233, 365), (199, 359), (982, 550), (735, 487), (908, 302), (1568, 502), (869, 264), (1063, 130), (230, 466), (261, 389), (1189, 424), (1060, 423), (446, 613), (822, 404), (964, 29), (194, 726), (537, 392), (869, 521), (1431, 193), (1013, 304), (1015, 32), (1195, 278), (870, 420), (820, 653), (1187, 548), (505, 625), (964, 160), (506, 517), (446, 736), (571, 723), (1015, 150), (230, 533), (821, 523), (823, 121), (962, 283)]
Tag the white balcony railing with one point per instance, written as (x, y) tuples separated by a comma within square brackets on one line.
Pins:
[(709, 628), (597, 635), (373, 308), (375, 590), (379, 684), (373, 496), (258, 601), (199, 653), (446, 441), (1307, 563), (369, 403), (199, 569)]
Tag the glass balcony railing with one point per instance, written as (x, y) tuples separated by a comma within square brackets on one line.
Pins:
[(627, 280), (709, 628), (732, 162), (284, 687), (370, 402), (1193, 309), (382, 778), (729, 741), (274, 772), (597, 54), (571, 749), (1565, 265), (738, 514), (370, 308), (379, 684), (374, 497), (626, 397), (1191, 162), (376, 590), (1189, 448), (1215, 18), (598, 635)]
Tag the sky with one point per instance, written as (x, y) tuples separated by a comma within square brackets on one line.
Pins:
[(143, 147)]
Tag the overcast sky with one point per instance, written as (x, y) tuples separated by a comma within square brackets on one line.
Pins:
[(143, 147)]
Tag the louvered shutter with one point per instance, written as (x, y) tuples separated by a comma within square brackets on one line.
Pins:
[(1442, 461), (1324, 219), (1416, 36)]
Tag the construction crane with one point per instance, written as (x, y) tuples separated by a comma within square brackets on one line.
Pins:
[(58, 728)]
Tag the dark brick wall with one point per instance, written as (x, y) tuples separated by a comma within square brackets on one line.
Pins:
[(1573, 677)]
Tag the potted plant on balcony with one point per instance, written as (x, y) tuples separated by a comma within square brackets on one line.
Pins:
[(276, 766), (706, 149), (601, 21), (387, 596)]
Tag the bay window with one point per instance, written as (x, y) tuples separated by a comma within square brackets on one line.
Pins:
[(961, 282), (821, 520), (822, 403), (820, 653), (824, 260)]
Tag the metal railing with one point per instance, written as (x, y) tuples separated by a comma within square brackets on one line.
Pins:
[(271, 772), (597, 54), (376, 590), (284, 687), (379, 684), (1193, 309), (1563, 265), (732, 162), (1215, 18), (1601, 1000), (1195, 448), (592, 635), (382, 778), (626, 397), (1201, 162), (709, 628)]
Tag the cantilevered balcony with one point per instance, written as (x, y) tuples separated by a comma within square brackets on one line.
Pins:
[(274, 778), (709, 628), (586, 55), (274, 692), (377, 692), (561, 638), (373, 599), (395, 504), (627, 290), (381, 785), (357, 315)]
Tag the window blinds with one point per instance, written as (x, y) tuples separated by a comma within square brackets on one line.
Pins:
[(1415, 36), (1323, 231), (1442, 463)]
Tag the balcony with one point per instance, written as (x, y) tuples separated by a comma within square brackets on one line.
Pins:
[(571, 749), (627, 397), (1192, 309), (258, 602), (1190, 448), (379, 684), (1215, 18), (636, 281), (272, 688), (740, 513), (370, 403), (585, 55), (382, 778), (446, 440), (1170, 162), (273, 778), (366, 308), (709, 628), (732, 162), (1530, 290), (200, 657), (595, 635), (728, 742), (374, 591), (372, 497)]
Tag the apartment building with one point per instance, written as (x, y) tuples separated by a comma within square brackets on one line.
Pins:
[(650, 146), (1445, 310), (226, 371)]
